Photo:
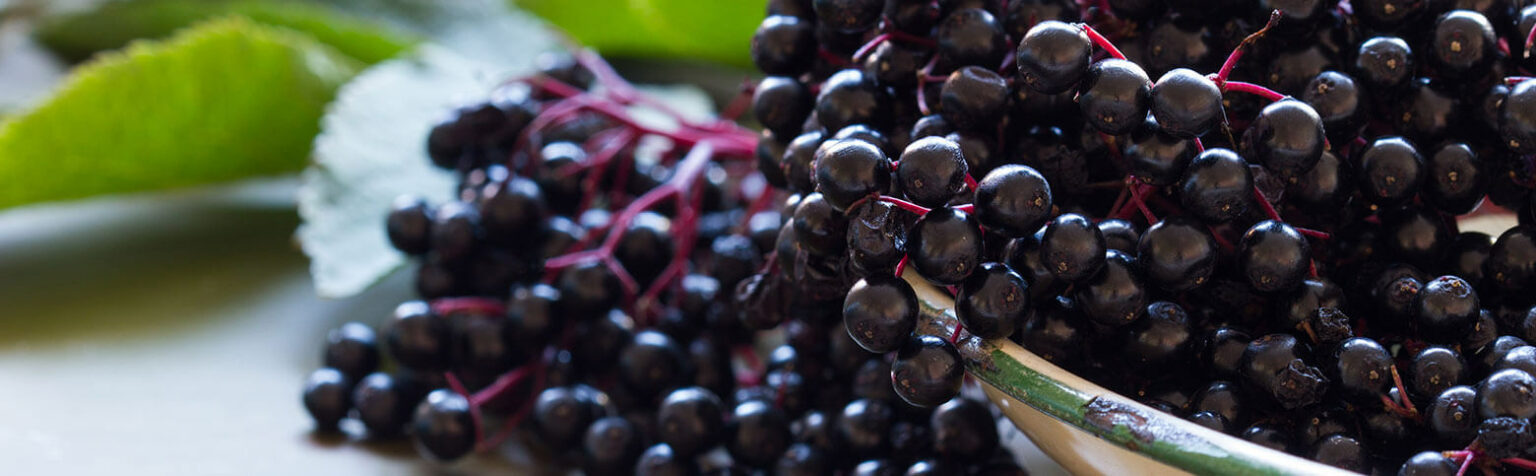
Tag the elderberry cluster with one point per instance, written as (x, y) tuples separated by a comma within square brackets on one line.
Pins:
[(604, 290), (1242, 213)]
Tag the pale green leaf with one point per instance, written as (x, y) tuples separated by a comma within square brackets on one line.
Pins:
[(224, 100), (77, 36), (715, 30)]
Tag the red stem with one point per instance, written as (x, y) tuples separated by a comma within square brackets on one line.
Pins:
[(474, 410), (905, 205), (1530, 37), (970, 182), (922, 85), (1199, 146), (1521, 463), (901, 266), (954, 338), (858, 56), (1101, 41), (474, 305), (1254, 89), (1237, 52), (502, 385)]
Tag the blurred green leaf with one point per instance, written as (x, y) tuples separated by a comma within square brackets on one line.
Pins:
[(714, 30), (76, 37), (223, 100)]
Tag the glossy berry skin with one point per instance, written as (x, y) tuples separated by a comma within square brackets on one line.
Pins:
[(781, 104), (1390, 170), (1053, 56), (1324, 188), (1072, 247), (931, 171), (1186, 104), (611, 446), (353, 349), (851, 97), (1517, 118), (963, 430), (877, 236), (849, 170), (1462, 44), (1120, 235), (1414, 235), (409, 225), (652, 363), (561, 416), (864, 427), (822, 230), (1273, 364), (1115, 96), (848, 15), (1286, 138), (1388, 15), (659, 460), (1429, 463), (1446, 310), (802, 459), (1217, 186), (1361, 369), (1340, 102), (417, 338), (992, 301), (1013, 200), (1511, 263), (927, 371), (327, 394), (1384, 63), (1301, 305), (1116, 295), (456, 231), (1177, 254), (784, 45), (1222, 351), (1155, 157), (1162, 336), (1508, 392), (384, 403), (1273, 256), (444, 427), (1452, 415), (1342, 451), (971, 36), (880, 312), (973, 98), (945, 246), (1454, 180), (588, 291), (1433, 370)]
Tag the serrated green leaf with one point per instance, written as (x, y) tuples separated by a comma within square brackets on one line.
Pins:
[(223, 100), (712, 30), (77, 36)]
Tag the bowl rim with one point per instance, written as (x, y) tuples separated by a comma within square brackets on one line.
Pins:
[(1086, 406)]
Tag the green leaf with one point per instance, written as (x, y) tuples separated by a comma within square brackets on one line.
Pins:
[(226, 99), (712, 30), (77, 36)]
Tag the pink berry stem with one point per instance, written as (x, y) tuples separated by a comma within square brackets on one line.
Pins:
[(1237, 52), (1254, 89), (1101, 41), (905, 205)]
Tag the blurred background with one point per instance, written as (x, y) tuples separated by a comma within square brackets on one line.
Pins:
[(159, 309)]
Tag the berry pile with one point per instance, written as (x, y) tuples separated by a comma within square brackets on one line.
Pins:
[(1264, 243)]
